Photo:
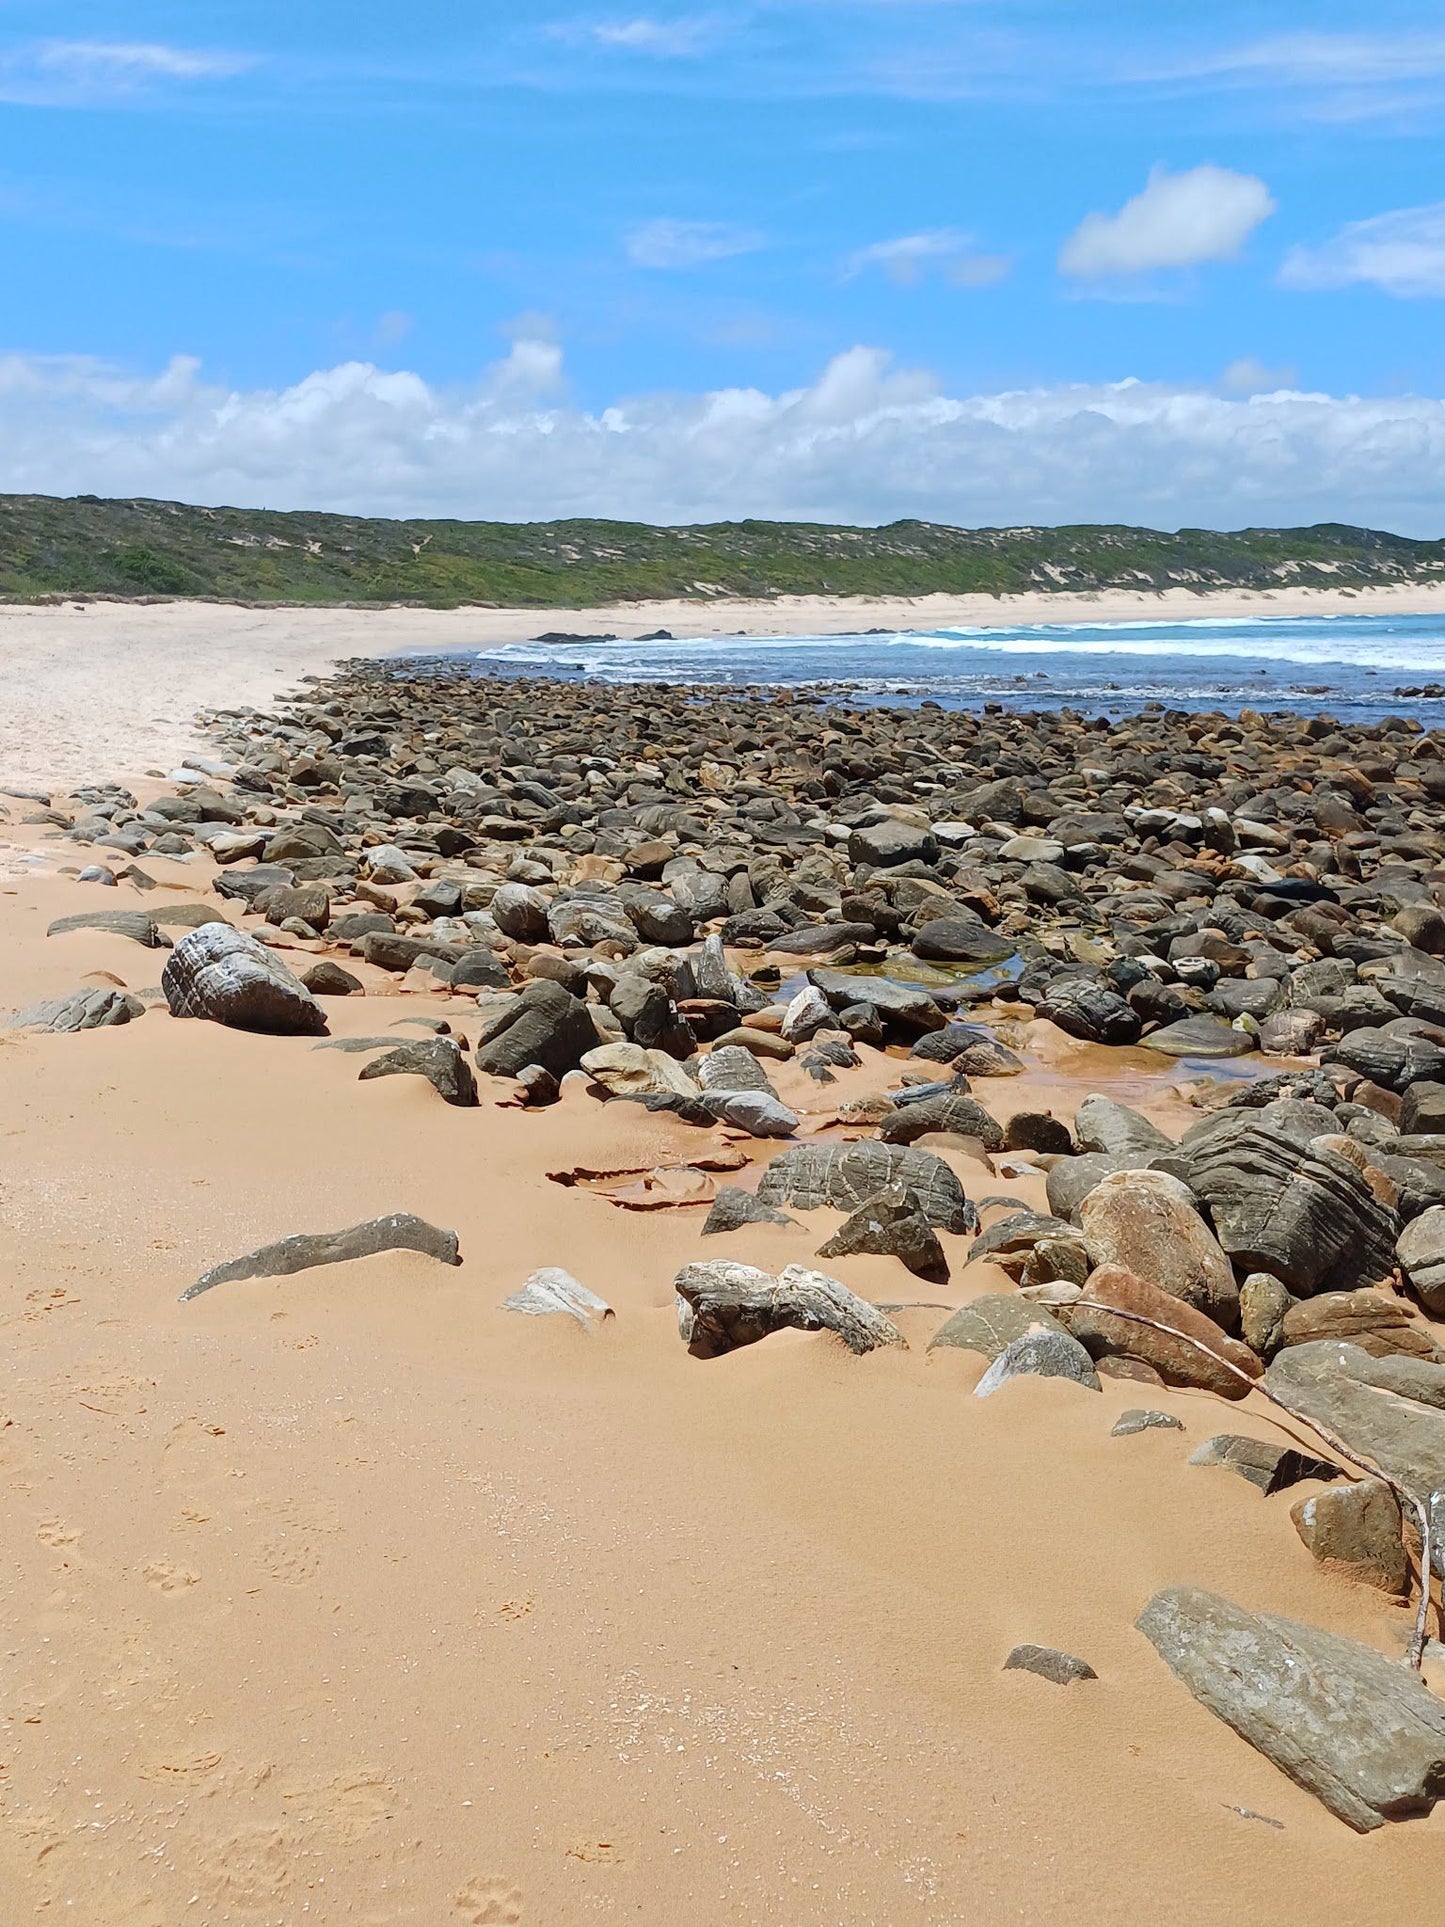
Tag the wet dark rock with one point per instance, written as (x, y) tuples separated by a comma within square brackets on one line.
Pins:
[(959, 940), (974, 1052), (1037, 1131), (1203, 1036), (1091, 1012)]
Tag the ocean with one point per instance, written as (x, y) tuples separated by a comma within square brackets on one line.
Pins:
[(1358, 668)]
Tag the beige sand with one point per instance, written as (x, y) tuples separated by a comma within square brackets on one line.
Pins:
[(351, 1598), (103, 690)]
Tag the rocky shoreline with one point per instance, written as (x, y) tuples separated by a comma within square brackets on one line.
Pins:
[(702, 904)]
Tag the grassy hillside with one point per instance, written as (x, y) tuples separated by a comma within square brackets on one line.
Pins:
[(86, 546)]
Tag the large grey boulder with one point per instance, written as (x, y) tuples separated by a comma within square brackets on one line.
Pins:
[(1149, 1223), (723, 1306), (520, 912), (889, 842), (225, 976), (849, 1175), (1308, 1217), (1091, 1012), (1359, 1731), (1390, 1410)]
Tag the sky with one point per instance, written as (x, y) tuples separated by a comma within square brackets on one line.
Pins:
[(980, 261)]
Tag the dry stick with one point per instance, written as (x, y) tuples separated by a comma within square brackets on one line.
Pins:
[(1337, 1445)]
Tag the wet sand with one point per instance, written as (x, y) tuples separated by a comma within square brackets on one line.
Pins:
[(349, 1597), (102, 690)]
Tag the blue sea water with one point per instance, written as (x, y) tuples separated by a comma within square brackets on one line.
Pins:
[(1349, 666)]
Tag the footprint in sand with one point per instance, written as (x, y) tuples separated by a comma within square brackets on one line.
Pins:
[(484, 1902), (56, 1534), (293, 1564), (516, 1608), (168, 1578)]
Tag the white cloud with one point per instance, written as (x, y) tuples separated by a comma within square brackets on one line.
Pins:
[(864, 442), (907, 259), (1178, 221), (1249, 376), (1402, 252), (688, 244), (672, 39), (1313, 59)]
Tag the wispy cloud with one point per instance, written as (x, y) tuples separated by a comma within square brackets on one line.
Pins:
[(908, 258), (78, 73), (671, 39), (1178, 221), (1402, 253), (688, 244)]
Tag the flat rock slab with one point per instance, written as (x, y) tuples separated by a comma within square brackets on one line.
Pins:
[(88, 1009), (399, 1232), (551, 1291), (847, 1176), (1390, 1410), (1139, 1420), (1049, 1663), (135, 924), (991, 1324), (1359, 1731), (1200, 1037), (1264, 1463)]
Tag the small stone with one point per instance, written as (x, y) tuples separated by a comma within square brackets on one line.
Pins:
[(328, 979), (1142, 1420), (734, 1207), (554, 1290), (1062, 1669)]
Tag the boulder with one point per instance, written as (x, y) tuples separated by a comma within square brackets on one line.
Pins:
[(903, 1007), (1148, 1223), (1390, 1411), (225, 976), (328, 979), (959, 940), (1204, 1363), (1070, 1180), (848, 1175), (969, 1049), (1377, 1323), (1356, 1531), (520, 912), (1201, 1036), (1101, 1124), (723, 1306), (1310, 1219), (1091, 1012), (729, 1067), (886, 844), (627, 1070), (138, 925), (543, 1025), (1359, 1731)]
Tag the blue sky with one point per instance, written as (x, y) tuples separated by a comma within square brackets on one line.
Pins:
[(849, 258)]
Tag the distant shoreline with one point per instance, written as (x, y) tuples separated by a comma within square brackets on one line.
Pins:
[(106, 690)]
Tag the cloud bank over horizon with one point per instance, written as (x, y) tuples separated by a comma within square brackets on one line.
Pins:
[(864, 442)]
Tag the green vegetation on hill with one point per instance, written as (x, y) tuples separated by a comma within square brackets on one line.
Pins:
[(85, 546)]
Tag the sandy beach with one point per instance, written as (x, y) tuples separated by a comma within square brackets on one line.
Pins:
[(349, 1597), (111, 688)]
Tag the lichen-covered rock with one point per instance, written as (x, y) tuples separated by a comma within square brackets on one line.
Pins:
[(225, 976), (848, 1175)]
